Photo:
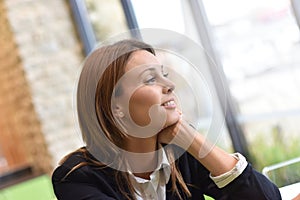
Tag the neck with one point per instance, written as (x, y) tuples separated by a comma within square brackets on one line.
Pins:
[(141, 145), (142, 155)]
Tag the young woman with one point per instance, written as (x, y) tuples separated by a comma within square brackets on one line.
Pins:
[(138, 146)]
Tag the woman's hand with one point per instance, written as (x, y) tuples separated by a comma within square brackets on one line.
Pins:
[(166, 135), (297, 197), (180, 134), (185, 136)]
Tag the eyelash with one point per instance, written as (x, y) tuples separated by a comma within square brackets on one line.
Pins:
[(151, 80)]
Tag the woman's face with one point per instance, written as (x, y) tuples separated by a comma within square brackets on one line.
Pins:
[(147, 86)]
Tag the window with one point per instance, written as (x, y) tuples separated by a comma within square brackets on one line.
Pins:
[(258, 43), (176, 15), (97, 21), (107, 18)]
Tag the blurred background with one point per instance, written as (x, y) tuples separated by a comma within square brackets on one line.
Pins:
[(254, 44)]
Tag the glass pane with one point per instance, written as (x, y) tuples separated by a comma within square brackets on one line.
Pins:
[(107, 18), (258, 42), (285, 175), (167, 14)]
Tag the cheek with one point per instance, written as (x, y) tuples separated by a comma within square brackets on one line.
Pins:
[(140, 103)]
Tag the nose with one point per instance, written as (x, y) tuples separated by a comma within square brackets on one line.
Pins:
[(167, 85), (167, 89)]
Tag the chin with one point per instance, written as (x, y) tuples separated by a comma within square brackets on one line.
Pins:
[(172, 119)]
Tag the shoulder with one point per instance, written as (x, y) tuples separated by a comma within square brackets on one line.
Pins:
[(78, 177), (77, 167)]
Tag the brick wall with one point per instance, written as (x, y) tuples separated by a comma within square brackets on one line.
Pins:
[(51, 56), (21, 138)]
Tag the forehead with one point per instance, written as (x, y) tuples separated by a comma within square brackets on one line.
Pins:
[(139, 58)]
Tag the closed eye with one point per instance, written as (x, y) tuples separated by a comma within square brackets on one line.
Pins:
[(150, 80)]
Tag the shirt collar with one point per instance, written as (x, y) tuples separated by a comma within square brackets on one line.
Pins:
[(163, 164)]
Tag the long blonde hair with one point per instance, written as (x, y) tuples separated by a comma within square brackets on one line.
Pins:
[(100, 74)]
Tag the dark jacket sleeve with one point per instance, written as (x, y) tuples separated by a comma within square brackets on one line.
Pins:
[(249, 185)]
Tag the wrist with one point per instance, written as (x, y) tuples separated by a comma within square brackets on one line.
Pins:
[(185, 136)]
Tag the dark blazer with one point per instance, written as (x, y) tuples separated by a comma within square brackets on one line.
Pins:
[(90, 183)]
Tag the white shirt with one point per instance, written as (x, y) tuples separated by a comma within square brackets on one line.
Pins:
[(155, 188)]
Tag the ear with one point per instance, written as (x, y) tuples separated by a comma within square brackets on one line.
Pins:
[(117, 111)]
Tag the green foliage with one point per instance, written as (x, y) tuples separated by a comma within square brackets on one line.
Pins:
[(39, 188), (272, 149), (208, 198)]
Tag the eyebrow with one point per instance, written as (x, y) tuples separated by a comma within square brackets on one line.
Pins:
[(148, 69), (162, 68), (152, 69)]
